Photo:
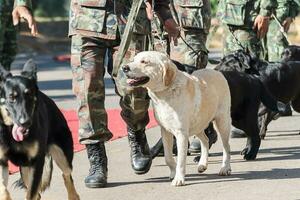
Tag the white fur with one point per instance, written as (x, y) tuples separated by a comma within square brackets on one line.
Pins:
[(184, 105)]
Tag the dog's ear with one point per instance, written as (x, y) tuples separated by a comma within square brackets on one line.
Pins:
[(30, 70), (169, 72), (4, 74)]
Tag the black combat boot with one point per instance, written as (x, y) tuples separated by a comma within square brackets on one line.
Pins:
[(210, 132), (141, 159), (97, 177)]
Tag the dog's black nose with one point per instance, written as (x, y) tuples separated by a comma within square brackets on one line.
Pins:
[(126, 68)]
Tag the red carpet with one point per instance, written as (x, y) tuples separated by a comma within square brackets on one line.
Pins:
[(115, 124)]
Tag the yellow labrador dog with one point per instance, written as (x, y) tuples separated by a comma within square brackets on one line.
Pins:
[(184, 105)]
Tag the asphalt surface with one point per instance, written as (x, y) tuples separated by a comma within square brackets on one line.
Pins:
[(275, 174)]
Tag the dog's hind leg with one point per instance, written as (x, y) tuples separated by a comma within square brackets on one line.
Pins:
[(202, 164), (4, 194), (167, 139), (66, 167), (223, 126), (182, 148)]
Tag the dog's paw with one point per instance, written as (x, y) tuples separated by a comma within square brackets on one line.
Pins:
[(249, 154), (225, 171), (201, 168), (178, 181)]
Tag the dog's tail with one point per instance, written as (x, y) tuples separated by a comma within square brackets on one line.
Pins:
[(46, 177), (269, 101)]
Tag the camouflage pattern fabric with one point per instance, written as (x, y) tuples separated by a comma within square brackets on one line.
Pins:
[(92, 40), (26, 3), (238, 16), (8, 44), (275, 42), (241, 39), (194, 18), (243, 12)]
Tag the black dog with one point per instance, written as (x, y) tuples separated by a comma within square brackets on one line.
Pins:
[(291, 53), (32, 129), (282, 79), (247, 92)]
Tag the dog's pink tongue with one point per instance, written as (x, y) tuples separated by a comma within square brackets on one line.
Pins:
[(17, 133)]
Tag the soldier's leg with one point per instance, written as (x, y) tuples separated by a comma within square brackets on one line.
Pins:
[(276, 42), (192, 49), (8, 43), (87, 61), (135, 104), (275, 45), (240, 39)]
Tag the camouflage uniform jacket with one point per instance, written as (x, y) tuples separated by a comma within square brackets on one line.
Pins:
[(104, 18), (242, 13), (193, 14)]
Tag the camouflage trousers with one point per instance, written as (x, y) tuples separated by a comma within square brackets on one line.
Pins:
[(88, 68), (241, 39), (8, 44), (274, 43), (191, 51)]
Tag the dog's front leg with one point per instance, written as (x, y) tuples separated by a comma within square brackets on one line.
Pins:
[(167, 139), (34, 179), (4, 194), (182, 146)]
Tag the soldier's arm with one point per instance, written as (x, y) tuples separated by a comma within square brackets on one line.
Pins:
[(163, 10), (294, 9), (291, 11), (22, 10), (267, 7)]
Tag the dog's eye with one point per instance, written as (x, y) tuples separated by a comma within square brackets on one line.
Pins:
[(144, 62), (27, 91), (11, 99)]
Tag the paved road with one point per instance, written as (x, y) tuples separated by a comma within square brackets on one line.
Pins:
[(274, 175)]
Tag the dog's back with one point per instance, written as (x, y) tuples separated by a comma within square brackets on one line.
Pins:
[(217, 85)]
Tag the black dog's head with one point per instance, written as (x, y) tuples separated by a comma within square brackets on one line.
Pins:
[(19, 96), (291, 53), (239, 61)]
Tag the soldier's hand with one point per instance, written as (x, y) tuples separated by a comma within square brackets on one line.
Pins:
[(23, 12), (261, 25), (149, 10), (172, 29), (286, 24)]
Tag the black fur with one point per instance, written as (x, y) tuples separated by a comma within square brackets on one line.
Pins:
[(282, 79), (291, 53), (30, 108), (247, 91)]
